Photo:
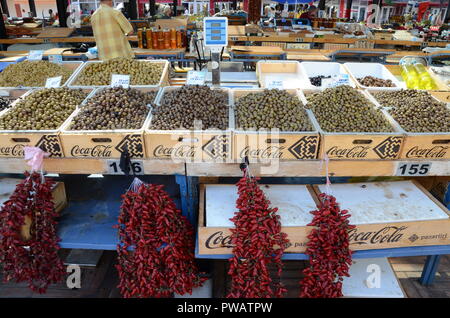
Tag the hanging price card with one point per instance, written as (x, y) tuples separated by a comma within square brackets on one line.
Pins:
[(55, 58), (35, 55), (120, 80), (195, 78), (53, 82), (274, 82), (341, 79)]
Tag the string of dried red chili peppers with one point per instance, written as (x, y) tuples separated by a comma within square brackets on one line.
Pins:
[(328, 250), (162, 260), (34, 260), (257, 243)]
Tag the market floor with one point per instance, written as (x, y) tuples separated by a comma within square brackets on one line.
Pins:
[(102, 280)]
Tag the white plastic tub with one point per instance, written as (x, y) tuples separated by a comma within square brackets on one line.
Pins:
[(359, 70), (312, 69)]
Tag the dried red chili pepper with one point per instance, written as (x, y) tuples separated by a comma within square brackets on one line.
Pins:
[(35, 260), (257, 243), (328, 250), (162, 258)]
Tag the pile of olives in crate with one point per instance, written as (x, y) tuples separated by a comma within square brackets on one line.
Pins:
[(44, 109), (416, 111), (99, 74), (32, 73), (371, 81), (272, 109), (181, 107), (4, 103), (317, 80), (345, 109), (114, 108)]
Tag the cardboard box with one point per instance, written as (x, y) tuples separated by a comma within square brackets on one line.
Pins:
[(213, 240)]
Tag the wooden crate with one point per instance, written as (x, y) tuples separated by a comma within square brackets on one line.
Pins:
[(189, 145), (103, 143), (13, 141), (216, 240), (426, 146), (74, 66), (265, 145), (361, 145), (164, 81)]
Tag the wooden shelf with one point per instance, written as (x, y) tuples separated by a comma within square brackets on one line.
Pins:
[(305, 168)]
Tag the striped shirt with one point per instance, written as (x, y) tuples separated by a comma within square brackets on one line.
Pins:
[(110, 26)]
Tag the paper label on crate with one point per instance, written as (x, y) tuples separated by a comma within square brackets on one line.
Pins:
[(35, 55), (53, 82), (55, 58), (120, 80), (341, 79), (274, 83), (196, 78)]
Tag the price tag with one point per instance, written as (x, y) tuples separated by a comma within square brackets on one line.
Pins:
[(341, 79), (35, 55), (53, 82), (120, 80), (195, 78), (274, 84), (413, 169), (114, 168), (55, 58), (299, 40)]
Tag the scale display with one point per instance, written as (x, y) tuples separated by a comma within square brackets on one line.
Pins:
[(215, 32)]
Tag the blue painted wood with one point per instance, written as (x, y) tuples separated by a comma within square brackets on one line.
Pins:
[(429, 270), (182, 182), (87, 222)]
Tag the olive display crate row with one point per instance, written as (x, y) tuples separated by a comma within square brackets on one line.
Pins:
[(416, 145), (104, 143), (13, 141), (386, 215), (72, 65), (164, 80)]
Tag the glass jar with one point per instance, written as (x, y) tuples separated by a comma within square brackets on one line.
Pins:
[(173, 38), (155, 39), (166, 39), (149, 39)]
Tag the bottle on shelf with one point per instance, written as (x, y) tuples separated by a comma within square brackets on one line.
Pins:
[(173, 38), (425, 80), (149, 39), (161, 45), (179, 40), (155, 38), (410, 76), (144, 38), (140, 43), (166, 39)]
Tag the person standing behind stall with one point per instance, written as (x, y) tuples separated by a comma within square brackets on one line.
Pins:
[(110, 31), (310, 14)]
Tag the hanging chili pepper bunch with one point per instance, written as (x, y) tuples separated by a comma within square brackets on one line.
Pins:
[(161, 261), (257, 244), (34, 260), (328, 250)]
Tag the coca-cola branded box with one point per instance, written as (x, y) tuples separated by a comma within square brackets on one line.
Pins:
[(265, 144), (386, 214), (198, 145), (103, 144), (12, 142), (361, 145)]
